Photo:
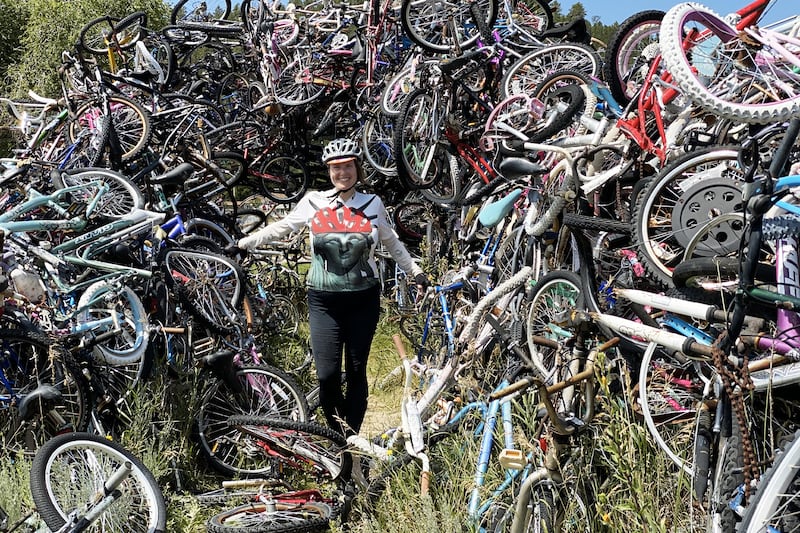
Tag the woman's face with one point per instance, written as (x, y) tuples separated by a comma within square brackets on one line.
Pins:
[(343, 175)]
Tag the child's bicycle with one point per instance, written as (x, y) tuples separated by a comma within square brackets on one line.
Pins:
[(78, 479)]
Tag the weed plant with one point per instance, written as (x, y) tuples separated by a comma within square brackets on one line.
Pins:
[(626, 484)]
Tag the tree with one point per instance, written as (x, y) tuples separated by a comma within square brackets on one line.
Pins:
[(52, 26), (577, 11), (13, 18)]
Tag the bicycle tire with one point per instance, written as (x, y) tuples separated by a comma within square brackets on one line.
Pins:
[(208, 229), (233, 96), (529, 70), (727, 480), (666, 211), (250, 220), (209, 285), (283, 317), (68, 471), (283, 179), (563, 78), (26, 364), (415, 136), (669, 400), (574, 220), (164, 55), (775, 503), (397, 88), (691, 273), (130, 344), (722, 71), (377, 143), (129, 120), (554, 120), (423, 23), (273, 517), (92, 36), (291, 90), (90, 147), (175, 14), (530, 18), (305, 445), (122, 197), (268, 391), (629, 52), (553, 293)]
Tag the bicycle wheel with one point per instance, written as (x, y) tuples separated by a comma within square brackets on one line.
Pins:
[(283, 179), (728, 71), (692, 190), (554, 293), (521, 27), (442, 27), (69, 470), (398, 87), (776, 504), (267, 391), (123, 313), (282, 316), (671, 401), (195, 14), (124, 33), (562, 105), (527, 72), (629, 52), (377, 143), (295, 84), (209, 285), (233, 95), (207, 229), (727, 480), (420, 155), (716, 273), (306, 446), (557, 508), (129, 120), (272, 517), (26, 367), (121, 198)]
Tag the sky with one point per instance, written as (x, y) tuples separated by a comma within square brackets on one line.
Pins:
[(611, 11)]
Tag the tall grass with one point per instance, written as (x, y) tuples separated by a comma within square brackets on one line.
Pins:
[(629, 486)]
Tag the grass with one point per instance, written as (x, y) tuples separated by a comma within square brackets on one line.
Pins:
[(634, 487)]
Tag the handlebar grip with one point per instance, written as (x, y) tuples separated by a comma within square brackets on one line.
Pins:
[(398, 344), (424, 482)]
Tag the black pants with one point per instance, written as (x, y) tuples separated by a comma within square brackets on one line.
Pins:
[(343, 322)]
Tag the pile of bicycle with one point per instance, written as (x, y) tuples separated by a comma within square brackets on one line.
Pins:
[(628, 207)]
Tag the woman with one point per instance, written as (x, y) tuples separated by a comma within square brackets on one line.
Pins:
[(343, 287)]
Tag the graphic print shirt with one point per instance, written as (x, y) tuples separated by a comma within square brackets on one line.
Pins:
[(343, 238)]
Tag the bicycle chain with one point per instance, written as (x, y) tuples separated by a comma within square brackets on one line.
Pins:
[(736, 381)]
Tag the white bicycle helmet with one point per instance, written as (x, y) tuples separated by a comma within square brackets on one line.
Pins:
[(340, 149)]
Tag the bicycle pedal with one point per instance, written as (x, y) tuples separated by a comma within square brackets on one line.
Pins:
[(512, 459), (203, 347)]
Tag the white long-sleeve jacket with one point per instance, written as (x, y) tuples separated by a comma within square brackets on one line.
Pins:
[(343, 239)]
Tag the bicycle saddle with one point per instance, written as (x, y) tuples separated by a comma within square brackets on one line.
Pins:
[(515, 167), (491, 214), (575, 32), (176, 176), (31, 405)]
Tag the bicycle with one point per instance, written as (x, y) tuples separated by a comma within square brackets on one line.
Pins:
[(79, 479), (745, 68)]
